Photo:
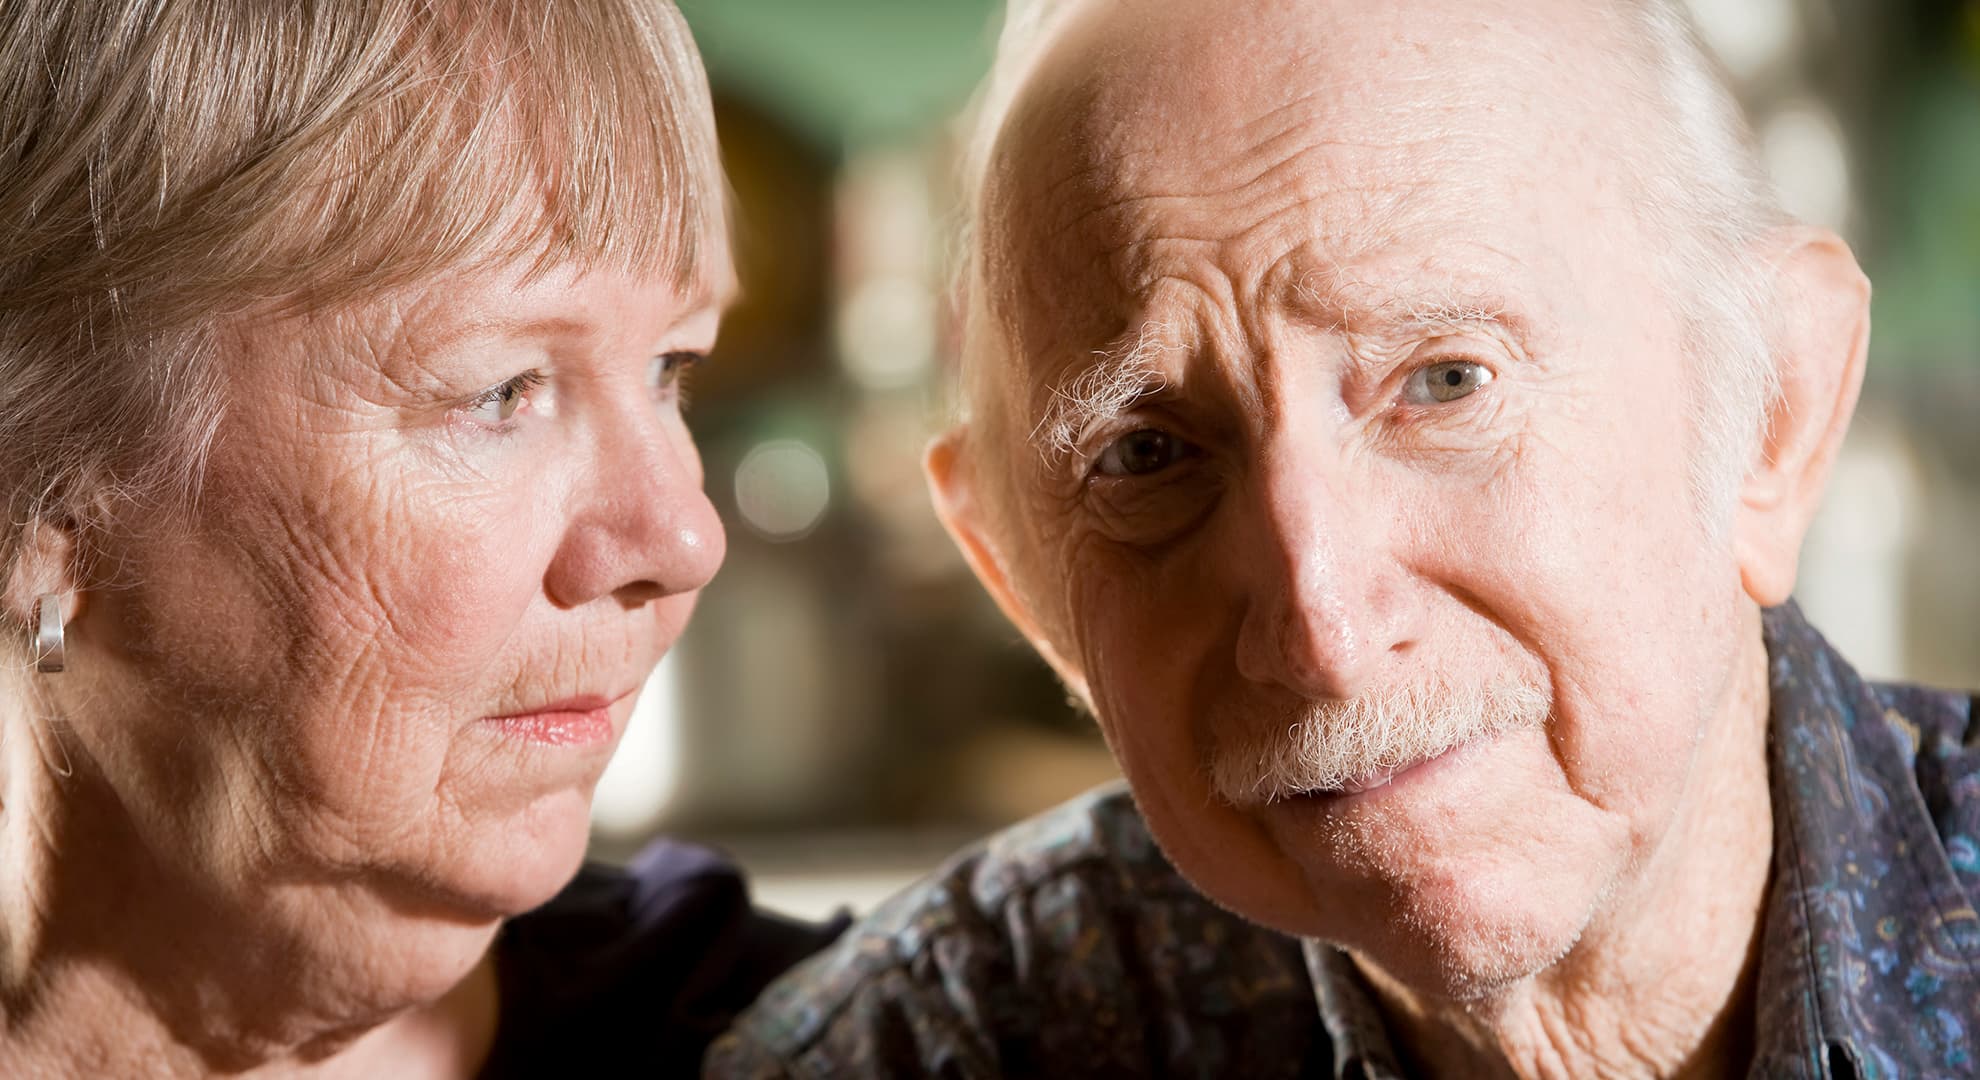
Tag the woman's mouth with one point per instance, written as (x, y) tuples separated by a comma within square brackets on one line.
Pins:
[(578, 721)]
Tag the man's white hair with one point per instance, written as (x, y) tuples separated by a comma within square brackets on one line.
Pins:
[(1704, 195)]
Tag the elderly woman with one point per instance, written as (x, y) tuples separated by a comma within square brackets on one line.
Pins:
[(348, 505)]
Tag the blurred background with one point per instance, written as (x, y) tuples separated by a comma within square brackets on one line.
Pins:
[(847, 707)]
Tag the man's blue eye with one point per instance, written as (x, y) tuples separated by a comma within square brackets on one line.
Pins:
[(1139, 453), (1445, 381)]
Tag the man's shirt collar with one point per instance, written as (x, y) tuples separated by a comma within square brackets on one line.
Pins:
[(1871, 949)]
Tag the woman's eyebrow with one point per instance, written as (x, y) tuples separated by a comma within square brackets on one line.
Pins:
[(440, 335)]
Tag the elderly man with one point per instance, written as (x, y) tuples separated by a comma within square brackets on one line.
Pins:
[(1398, 423)]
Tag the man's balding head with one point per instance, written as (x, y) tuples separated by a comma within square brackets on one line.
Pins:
[(1625, 88), (1358, 394)]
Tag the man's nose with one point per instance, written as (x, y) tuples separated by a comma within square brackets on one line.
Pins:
[(643, 528), (1329, 610)]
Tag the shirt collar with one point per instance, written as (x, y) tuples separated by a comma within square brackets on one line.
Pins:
[(1362, 1050), (1866, 922)]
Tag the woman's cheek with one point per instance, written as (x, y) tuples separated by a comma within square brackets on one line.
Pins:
[(459, 564)]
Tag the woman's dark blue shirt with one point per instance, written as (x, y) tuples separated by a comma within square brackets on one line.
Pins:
[(634, 970)]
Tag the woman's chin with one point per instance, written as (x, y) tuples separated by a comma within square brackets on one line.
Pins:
[(518, 863)]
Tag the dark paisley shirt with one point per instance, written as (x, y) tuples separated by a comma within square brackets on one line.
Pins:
[(1068, 947)]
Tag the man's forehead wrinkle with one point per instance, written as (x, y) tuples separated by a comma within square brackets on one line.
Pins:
[(1209, 160), (1120, 245), (1244, 186), (1344, 77), (1204, 212), (1098, 153), (1398, 284), (1197, 148)]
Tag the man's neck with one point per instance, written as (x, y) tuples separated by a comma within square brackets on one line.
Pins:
[(1662, 982)]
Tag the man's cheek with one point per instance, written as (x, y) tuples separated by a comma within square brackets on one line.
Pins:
[(1145, 715), (1108, 643)]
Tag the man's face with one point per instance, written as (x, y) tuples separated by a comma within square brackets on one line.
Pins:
[(1333, 389)]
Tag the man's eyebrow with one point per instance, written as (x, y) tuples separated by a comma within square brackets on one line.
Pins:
[(1358, 307), (1092, 393)]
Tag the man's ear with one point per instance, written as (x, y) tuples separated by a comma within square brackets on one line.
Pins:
[(1820, 357), (960, 505)]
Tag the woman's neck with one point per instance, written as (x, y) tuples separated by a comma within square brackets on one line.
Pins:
[(113, 963), (449, 1038)]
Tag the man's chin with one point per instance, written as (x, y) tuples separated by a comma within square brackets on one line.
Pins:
[(1457, 877), (1465, 955), (1455, 927)]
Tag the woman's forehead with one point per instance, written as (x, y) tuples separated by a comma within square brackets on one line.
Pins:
[(563, 304)]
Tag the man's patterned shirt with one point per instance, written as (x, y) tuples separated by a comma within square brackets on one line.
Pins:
[(1069, 947)]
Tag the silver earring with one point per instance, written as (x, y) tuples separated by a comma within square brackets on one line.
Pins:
[(49, 644)]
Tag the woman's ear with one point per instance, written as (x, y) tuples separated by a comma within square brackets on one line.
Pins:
[(1820, 357), (47, 564), (951, 465)]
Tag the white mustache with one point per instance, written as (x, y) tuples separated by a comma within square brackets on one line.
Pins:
[(1332, 745)]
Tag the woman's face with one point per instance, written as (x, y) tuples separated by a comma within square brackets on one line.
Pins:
[(445, 536)]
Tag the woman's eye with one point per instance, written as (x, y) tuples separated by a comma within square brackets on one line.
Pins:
[(666, 370), (1448, 380), (1140, 453), (497, 404)]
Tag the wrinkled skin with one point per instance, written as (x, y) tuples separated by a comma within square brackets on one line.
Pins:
[(278, 700), (1292, 216)]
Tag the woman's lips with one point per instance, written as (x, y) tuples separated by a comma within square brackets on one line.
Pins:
[(581, 721)]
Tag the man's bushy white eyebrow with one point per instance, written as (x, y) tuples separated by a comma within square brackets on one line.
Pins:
[(1105, 389), (1357, 306)]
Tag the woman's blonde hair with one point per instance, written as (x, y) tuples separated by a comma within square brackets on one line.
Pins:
[(169, 165)]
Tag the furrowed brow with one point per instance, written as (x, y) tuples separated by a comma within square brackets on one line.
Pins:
[(1447, 314), (1361, 307), (1094, 393)]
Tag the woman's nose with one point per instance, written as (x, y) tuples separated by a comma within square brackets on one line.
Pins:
[(642, 528)]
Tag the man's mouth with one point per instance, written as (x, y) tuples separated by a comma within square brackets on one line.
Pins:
[(1382, 778), (1371, 781), (1363, 748)]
